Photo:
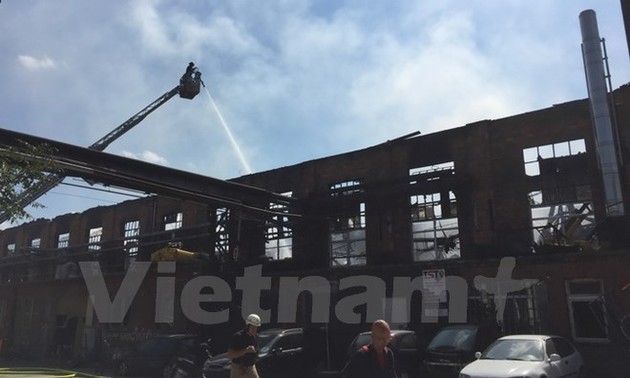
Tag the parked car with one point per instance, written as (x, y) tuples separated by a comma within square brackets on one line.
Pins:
[(527, 356), (280, 354), (159, 355), (454, 347), (404, 343)]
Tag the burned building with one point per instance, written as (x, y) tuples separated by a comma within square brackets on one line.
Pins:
[(423, 230), (449, 204)]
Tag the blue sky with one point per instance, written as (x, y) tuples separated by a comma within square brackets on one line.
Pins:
[(294, 80)]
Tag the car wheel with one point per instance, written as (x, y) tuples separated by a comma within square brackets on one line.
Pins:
[(123, 368)]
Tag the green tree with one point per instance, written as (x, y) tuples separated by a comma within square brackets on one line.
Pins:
[(23, 168)]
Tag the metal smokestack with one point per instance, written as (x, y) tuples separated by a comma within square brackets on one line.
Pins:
[(602, 125), (625, 12)]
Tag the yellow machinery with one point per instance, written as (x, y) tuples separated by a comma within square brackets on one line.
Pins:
[(172, 252)]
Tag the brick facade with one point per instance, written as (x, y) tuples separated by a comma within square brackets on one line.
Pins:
[(491, 205)]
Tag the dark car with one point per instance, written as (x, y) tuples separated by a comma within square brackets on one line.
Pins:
[(158, 355), (280, 354), (454, 347), (406, 349)]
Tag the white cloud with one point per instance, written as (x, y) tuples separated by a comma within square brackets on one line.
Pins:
[(148, 156), (35, 64), (153, 32), (294, 79)]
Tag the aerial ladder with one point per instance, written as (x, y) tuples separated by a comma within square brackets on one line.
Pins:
[(189, 86)]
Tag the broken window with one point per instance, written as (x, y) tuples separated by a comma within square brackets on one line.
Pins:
[(563, 218), (63, 240), (222, 235), (432, 172), (587, 311), (552, 158), (348, 238), (435, 228), (131, 232), (94, 238), (346, 188), (278, 233), (561, 209), (173, 221), (10, 249), (347, 227)]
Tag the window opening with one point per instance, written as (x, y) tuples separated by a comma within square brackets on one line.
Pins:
[(536, 159), (346, 188), (432, 172), (173, 221), (10, 249), (348, 224), (131, 239), (435, 227), (562, 214), (222, 234), (587, 310), (521, 314), (94, 238), (278, 233), (563, 219), (63, 240), (348, 238)]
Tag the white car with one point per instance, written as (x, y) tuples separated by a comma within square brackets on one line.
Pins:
[(526, 356)]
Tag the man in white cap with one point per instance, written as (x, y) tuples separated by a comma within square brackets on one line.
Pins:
[(242, 350)]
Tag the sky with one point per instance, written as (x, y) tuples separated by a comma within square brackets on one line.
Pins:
[(287, 81)]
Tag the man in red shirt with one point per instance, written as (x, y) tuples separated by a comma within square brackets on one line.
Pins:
[(375, 360)]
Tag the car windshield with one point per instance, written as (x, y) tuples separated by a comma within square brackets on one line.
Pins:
[(458, 338), (510, 349), (265, 341)]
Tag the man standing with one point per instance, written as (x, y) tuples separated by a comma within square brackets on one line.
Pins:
[(242, 350), (375, 360)]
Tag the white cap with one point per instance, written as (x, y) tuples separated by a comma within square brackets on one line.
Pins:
[(253, 319)]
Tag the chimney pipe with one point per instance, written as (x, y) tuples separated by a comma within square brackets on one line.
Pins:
[(600, 111), (625, 12)]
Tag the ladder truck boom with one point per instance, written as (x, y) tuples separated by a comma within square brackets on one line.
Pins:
[(105, 141), (189, 86)]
